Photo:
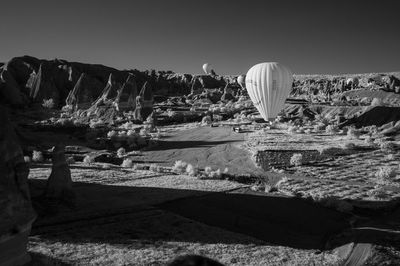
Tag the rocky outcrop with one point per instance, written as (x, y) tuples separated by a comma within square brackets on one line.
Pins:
[(16, 213), (144, 103), (59, 184), (56, 78)]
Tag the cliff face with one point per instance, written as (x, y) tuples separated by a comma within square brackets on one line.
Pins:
[(25, 79)]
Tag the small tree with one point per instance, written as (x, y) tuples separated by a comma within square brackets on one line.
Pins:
[(296, 159), (49, 103)]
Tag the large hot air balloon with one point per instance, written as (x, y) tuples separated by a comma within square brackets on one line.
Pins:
[(268, 85), (241, 80), (208, 69)]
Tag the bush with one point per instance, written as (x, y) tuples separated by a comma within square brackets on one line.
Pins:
[(206, 120), (207, 170), (296, 159), (377, 102), (121, 152), (385, 174), (154, 168), (49, 104), (368, 140), (348, 146), (37, 157), (112, 134), (70, 160), (127, 163), (88, 159), (191, 170), (27, 159), (378, 193), (353, 133), (292, 129), (179, 167), (387, 146), (215, 174), (331, 129)]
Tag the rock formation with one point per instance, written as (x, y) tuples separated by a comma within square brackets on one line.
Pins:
[(125, 99), (59, 184), (144, 102), (16, 213), (228, 94)]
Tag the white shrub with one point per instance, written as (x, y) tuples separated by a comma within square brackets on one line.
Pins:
[(377, 102), (88, 159), (121, 152), (378, 193), (368, 140), (331, 129), (49, 103), (385, 174), (207, 170), (37, 156), (112, 134), (191, 170), (292, 129), (215, 174), (154, 167), (296, 159), (353, 133), (206, 120), (348, 146), (70, 160), (179, 167), (127, 163), (27, 159)]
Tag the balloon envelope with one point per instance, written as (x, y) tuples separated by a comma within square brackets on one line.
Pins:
[(268, 85), (207, 68), (241, 80)]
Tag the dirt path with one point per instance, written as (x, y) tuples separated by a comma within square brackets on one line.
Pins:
[(205, 146)]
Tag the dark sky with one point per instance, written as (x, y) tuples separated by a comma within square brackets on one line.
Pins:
[(309, 36)]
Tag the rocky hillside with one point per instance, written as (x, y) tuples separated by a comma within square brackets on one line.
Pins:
[(54, 79), (58, 77)]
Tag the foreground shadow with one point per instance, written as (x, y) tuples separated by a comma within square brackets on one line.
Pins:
[(120, 215)]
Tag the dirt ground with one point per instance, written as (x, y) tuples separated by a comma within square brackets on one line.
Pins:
[(135, 217)]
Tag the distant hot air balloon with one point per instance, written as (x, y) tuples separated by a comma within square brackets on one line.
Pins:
[(241, 80), (268, 85), (208, 69)]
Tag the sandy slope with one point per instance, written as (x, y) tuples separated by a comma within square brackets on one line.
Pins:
[(205, 146)]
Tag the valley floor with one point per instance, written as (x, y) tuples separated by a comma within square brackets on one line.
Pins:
[(124, 216)]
